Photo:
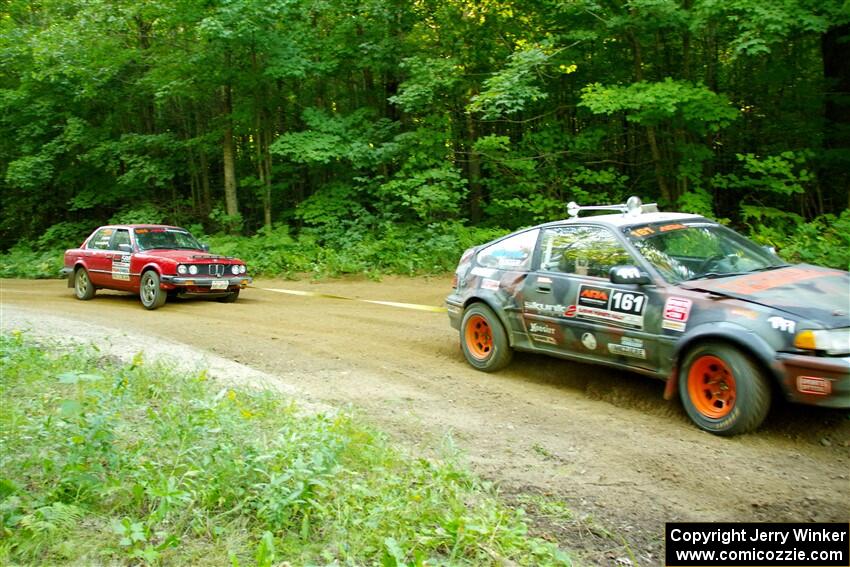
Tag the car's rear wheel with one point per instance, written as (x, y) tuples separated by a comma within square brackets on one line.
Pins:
[(83, 288), (723, 390), (230, 297), (150, 293), (483, 339)]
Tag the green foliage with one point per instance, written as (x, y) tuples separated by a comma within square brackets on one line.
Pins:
[(678, 103), (137, 464), (513, 88), (784, 174)]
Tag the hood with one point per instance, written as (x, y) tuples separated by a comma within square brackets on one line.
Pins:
[(188, 256), (809, 292)]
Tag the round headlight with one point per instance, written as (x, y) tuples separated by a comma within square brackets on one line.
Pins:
[(242, 269), (193, 269), (181, 269), (235, 269)]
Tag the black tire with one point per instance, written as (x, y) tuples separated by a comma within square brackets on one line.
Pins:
[(152, 296), (483, 339), (723, 390), (230, 297), (83, 288)]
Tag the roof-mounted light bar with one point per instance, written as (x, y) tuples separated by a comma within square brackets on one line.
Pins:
[(633, 207)]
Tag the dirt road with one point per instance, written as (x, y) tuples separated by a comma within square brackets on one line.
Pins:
[(603, 442)]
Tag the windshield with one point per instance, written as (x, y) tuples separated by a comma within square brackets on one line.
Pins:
[(165, 238), (694, 251)]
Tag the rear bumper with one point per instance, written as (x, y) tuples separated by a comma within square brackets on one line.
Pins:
[(202, 285), (814, 380)]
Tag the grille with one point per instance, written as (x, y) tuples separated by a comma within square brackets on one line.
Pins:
[(217, 270)]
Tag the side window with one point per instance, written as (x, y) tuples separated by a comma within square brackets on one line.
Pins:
[(581, 250), (100, 241), (512, 253), (122, 236)]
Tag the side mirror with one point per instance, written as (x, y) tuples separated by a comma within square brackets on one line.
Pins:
[(770, 250), (628, 275), (125, 248), (205, 247)]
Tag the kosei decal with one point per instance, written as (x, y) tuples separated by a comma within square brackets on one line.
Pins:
[(541, 328), (492, 285), (814, 385), (623, 308), (589, 341), (676, 313), (782, 324), (628, 273)]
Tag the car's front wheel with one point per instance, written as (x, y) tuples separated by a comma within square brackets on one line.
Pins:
[(483, 339), (83, 288), (723, 390), (151, 294)]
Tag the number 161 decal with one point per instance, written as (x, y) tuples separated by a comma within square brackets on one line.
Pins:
[(624, 308)]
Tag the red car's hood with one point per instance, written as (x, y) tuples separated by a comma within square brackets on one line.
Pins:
[(190, 256)]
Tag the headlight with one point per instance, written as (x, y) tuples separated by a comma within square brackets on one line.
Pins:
[(193, 269), (181, 269), (235, 269), (835, 341), (242, 269)]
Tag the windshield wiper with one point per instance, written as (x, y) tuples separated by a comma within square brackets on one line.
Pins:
[(715, 275)]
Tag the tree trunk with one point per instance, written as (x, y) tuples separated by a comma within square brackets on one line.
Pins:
[(836, 71), (231, 200)]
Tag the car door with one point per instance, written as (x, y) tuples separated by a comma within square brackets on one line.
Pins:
[(98, 257), (571, 308), (120, 253)]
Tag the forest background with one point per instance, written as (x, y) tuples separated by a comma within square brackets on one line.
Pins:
[(335, 136)]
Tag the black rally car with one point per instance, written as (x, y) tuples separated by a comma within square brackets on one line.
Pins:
[(671, 295)]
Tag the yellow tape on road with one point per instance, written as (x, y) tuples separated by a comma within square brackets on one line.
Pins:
[(415, 306)]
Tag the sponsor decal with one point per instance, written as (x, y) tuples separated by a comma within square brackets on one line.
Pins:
[(544, 308), (814, 385), (615, 306), (492, 285), (676, 313), (454, 310), (121, 268), (643, 231), (626, 350), (544, 280), (632, 342), (628, 273), (589, 341), (483, 272), (509, 262), (544, 339), (669, 227), (570, 312), (541, 328), (783, 324)]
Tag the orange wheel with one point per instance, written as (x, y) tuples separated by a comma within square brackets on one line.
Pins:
[(479, 337), (711, 387), (723, 389), (483, 339)]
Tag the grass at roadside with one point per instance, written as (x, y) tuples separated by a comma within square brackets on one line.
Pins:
[(103, 462)]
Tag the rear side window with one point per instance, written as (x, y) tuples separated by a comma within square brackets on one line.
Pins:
[(582, 251), (512, 253), (100, 240)]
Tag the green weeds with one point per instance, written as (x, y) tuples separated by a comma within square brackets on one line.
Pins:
[(105, 463)]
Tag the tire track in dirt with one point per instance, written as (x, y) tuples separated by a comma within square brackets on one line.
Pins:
[(602, 441)]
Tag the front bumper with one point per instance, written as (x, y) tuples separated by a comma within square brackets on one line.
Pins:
[(454, 307), (205, 285), (815, 380)]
